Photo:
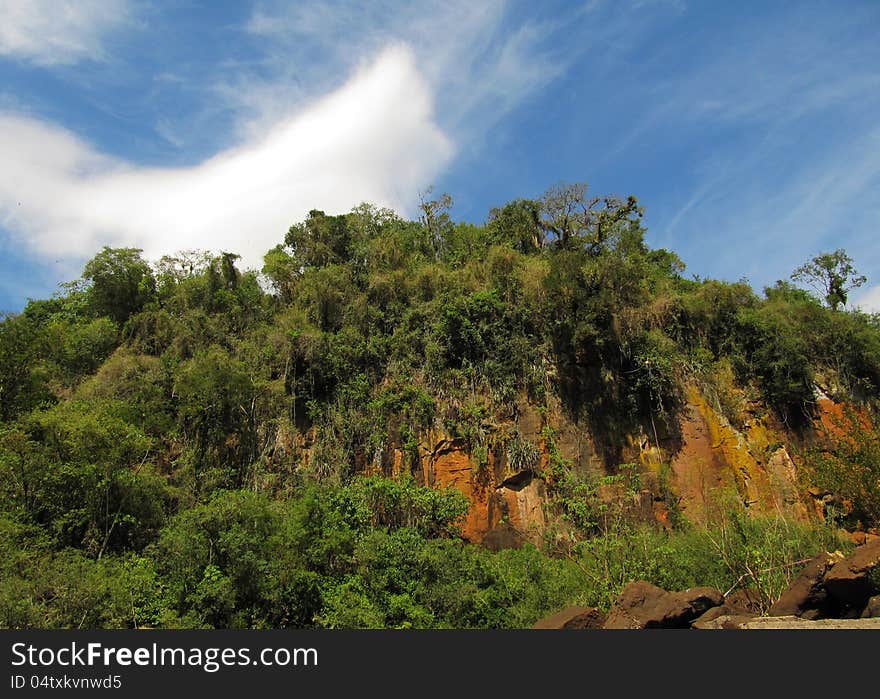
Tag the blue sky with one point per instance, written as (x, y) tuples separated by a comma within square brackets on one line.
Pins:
[(750, 131)]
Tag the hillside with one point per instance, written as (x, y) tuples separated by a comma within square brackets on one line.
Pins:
[(426, 424)]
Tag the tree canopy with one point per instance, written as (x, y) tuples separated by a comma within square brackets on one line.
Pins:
[(187, 443)]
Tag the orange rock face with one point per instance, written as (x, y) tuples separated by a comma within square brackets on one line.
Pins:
[(836, 421), (451, 466), (752, 463), (516, 502), (749, 461)]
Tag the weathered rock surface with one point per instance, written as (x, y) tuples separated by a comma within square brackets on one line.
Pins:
[(793, 622), (722, 621), (573, 618), (872, 609), (856, 578), (740, 604), (806, 596), (676, 610), (645, 606), (784, 622), (632, 608)]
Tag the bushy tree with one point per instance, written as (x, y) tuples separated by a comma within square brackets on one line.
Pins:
[(833, 275), (122, 283)]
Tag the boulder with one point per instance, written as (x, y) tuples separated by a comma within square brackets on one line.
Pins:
[(872, 609), (723, 621), (633, 606), (806, 596), (857, 577), (676, 610), (740, 604), (645, 606), (745, 600), (858, 538), (572, 618)]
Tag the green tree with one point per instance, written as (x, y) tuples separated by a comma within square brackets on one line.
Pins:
[(22, 376), (519, 225), (569, 215), (832, 274), (320, 240), (122, 283), (435, 218)]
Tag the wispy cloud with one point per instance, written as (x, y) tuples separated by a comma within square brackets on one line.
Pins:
[(789, 161), (50, 32), (453, 69), (479, 60), (62, 198)]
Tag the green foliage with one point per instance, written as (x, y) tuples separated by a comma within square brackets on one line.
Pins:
[(121, 283), (831, 274), (79, 470), (522, 455), (180, 447), (851, 471), (380, 503), (737, 550), (23, 377), (319, 241)]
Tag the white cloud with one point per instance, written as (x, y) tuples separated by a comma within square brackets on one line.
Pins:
[(869, 300), (374, 139), (478, 60), (50, 32)]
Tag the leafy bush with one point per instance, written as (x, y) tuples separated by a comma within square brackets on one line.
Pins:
[(851, 471)]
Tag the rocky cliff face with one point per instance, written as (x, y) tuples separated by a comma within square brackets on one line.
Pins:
[(752, 460)]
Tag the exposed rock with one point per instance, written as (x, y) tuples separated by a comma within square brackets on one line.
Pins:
[(503, 536), (632, 608), (497, 496), (745, 603), (853, 580), (645, 606), (806, 596), (745, 600), (715, 453), (676, 610), (784, 622), (793, 622), (573, 618), (872, 609), (858, 538), (711, 615), (723, 621)]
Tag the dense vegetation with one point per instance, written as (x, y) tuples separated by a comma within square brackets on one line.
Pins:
[(153, 417)]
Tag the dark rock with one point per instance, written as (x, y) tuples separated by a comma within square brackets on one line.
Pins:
[(632, 608), (503, 536), (645, 606), (872, 609), (572, 618), (857, 577), (806, 596), (676, 610), (745, 601), (711, 615)]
